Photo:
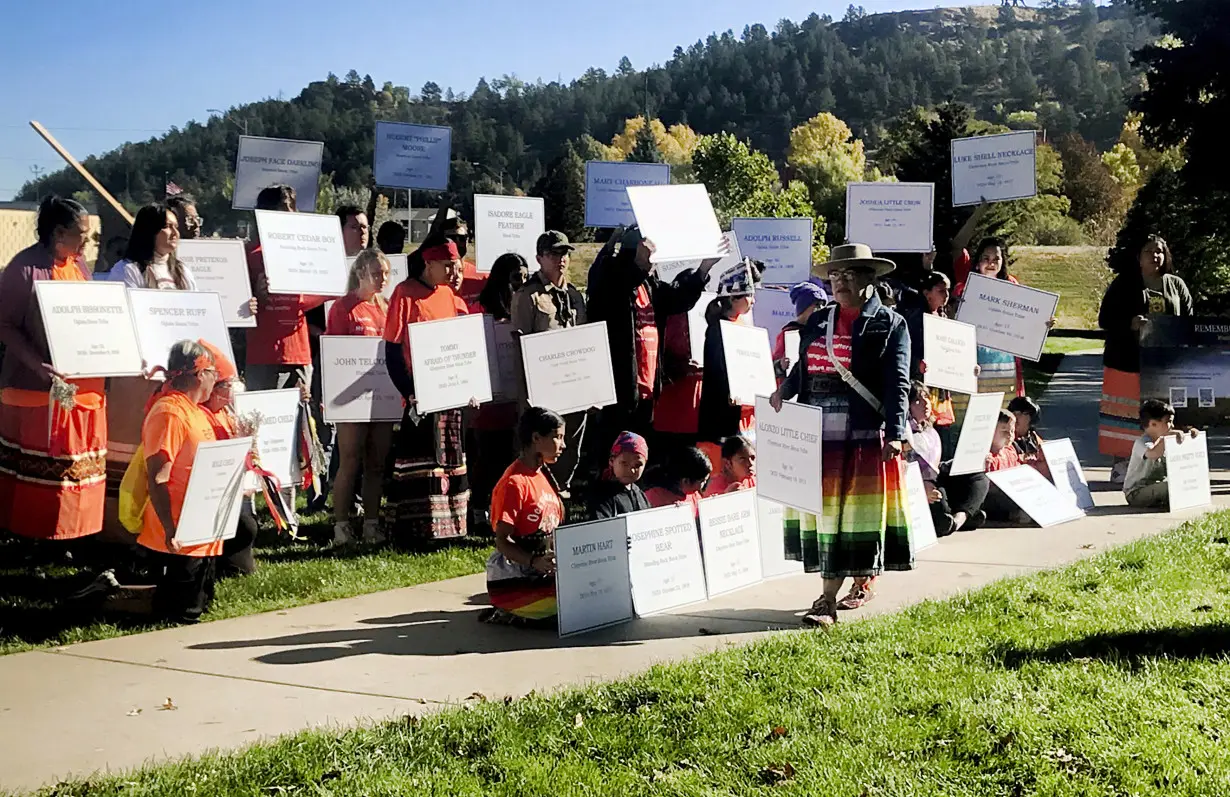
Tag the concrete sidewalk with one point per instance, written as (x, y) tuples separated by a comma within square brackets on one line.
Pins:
[(97, 706)]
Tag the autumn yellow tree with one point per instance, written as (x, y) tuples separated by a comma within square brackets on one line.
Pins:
[(825, 153), (676, 143)]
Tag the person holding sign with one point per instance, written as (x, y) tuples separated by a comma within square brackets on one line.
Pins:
[(720, 416), (429, 493), (954, 501), (1145, 285), (149, 261), (53, 431), (361, 447), (525, 511), (1145, 486), (933, 296), (616, 491), (855, 364), (175, 426), (545, 302), (808, 297)]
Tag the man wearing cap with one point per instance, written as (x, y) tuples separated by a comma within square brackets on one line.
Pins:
[(635, 304), (549, 301)]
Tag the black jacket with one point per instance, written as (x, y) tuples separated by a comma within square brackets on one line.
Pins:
[(1127, 298), (608, 498), (717, 417), (611, 299), (880, 360)]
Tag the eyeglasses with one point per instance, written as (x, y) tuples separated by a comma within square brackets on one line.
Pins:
[(843, 274)]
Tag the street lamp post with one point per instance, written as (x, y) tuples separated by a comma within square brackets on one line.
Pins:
[(490, 171)]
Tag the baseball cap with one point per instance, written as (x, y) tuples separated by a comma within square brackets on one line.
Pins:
[(553, 241)]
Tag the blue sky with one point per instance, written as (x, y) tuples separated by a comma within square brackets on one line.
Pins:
[(98, 74)]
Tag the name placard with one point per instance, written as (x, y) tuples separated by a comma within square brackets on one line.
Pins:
[(277, 438), (999, 167), (303, 253), (773, 310), (89, 328), (355, 383), (730, 538), (678, 219), (664, 559), (215, 489), (164, 318), (668, 270), (569, 370), (977, 433), (788, 450), (606, 195), (1067, 473), (592, 585), (749, 362), (1036, 496), (449, 360), (1010, 318), (771, 518), (262, 162), (221, 265), (1187, 472), (412, 156), (502, 354), (891, 217), (505, 224), (950, 350), (783, 245), (922, 526)]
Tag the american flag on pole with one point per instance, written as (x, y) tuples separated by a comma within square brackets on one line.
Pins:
[(172, 189)]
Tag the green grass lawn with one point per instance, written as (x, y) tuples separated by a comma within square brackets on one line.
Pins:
[(1108, 677), (290, 573)]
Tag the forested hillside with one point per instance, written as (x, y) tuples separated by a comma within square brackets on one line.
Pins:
[(1062, 70)]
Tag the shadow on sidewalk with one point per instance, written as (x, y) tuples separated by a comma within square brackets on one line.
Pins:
[(1131, 649), (454, 633)]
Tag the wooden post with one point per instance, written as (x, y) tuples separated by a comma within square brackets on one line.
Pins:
[(89, 178)]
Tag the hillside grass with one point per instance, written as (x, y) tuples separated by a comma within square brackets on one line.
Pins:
[(1108, 677)]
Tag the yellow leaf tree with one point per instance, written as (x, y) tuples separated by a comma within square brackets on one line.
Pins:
[(676, 144), (826, 155)]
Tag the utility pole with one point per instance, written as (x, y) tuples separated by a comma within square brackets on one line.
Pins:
[(38, 172)]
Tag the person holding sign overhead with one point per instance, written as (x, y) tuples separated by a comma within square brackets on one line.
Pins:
[(429, 493), (53, 430), (361, 447), (1144, 285), (855, 364), (525, 511), (720, 416), (175, 426)]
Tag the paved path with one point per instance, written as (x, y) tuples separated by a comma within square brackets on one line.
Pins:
[(96, 706)]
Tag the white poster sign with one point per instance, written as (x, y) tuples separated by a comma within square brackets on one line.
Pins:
[(221, 265), (783, 245), (215, 490), (502, 352), (891, 217), (1187, 472), (997, 168), (355, 383), (592, 585), (791, 342), (303, 253), (277, 438), (606, 196), (977, 433), (1036, 496), (569, 370), (950, 350), (1010, 318), (698, 326), (668, 270), (922, 526), (771, 519), (505, 224), (788, 454), (263, 162), (163, 318), (730, 538), (664, 559), (678, 219), (412, 156), (1066, 472), (773, 310), (749, 362), (89, 328), (449, 361)]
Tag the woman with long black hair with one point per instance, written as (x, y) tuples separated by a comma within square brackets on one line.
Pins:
[(149, 261)]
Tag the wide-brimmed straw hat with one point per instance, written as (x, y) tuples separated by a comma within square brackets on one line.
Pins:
[(854, 256)]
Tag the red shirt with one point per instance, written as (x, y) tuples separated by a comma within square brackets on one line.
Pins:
[(721, 483), (677, 410), (524, 499), (645, 333), (472, 282), (1005, 459), (412, 302), (818, 361), (352, 316), (280, 336)]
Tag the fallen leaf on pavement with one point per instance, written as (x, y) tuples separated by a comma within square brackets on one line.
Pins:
[(168, 706), (1086, 547)]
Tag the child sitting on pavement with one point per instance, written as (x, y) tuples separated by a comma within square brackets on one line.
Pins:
[(955, 501), (689, 471), (1145, 485), (1027, 441), (738, 467), (617, 492), (998, 506)]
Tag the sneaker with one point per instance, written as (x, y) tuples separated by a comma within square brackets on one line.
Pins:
[(975, 520), (342, 535), (372, 535), (823, 613), (858, 596)]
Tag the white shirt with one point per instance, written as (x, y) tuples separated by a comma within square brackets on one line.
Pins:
[(1142, 472), (129, 273)]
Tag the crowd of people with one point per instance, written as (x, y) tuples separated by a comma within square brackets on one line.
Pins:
[(107, 462)]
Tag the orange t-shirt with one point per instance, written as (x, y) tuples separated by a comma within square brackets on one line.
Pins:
[(175, 426), (280, 336), (352, 316), (412, 302), (660, 496), (524, 499), (472, 282), (720, 484)]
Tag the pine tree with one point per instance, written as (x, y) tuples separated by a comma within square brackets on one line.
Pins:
[(563, 191), (646, 148)]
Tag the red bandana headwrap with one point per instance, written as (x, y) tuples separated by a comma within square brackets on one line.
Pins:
[(630, 442), (444, 251)]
